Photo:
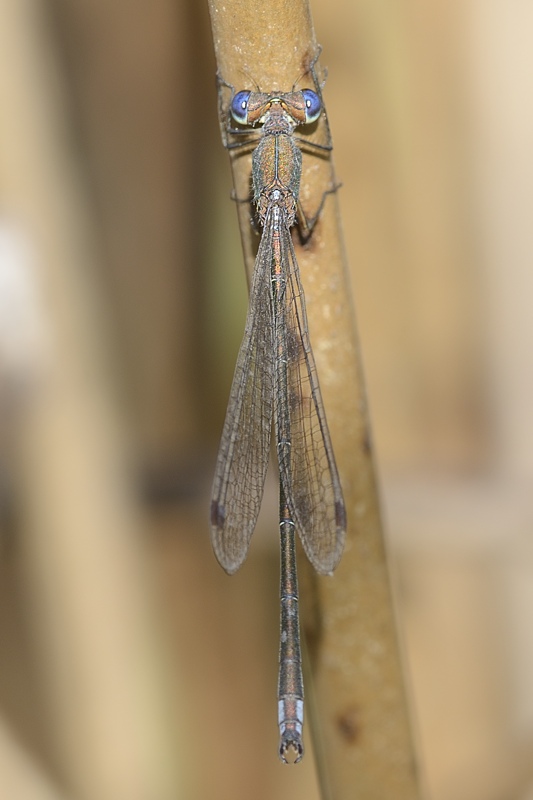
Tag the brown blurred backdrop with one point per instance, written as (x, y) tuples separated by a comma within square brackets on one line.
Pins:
[(131, 667)]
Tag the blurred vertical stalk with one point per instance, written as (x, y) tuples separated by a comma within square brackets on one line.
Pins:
[(20, 776), (358, 711), (80, 527)]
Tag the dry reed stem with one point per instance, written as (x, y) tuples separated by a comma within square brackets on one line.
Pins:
[(358, 706)]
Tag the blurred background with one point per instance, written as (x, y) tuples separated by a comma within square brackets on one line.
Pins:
[(130, 664)]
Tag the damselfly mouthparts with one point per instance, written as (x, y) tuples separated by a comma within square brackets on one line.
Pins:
[(276, 382)]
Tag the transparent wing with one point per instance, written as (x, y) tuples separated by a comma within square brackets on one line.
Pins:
[(245, 444), (308, 470)]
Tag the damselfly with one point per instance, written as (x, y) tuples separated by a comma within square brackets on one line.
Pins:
[(276, 382)]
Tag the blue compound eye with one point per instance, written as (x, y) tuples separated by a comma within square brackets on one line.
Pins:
[(313, 106), (239, 107)]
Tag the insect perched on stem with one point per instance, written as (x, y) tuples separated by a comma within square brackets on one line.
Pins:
[(276, 382)]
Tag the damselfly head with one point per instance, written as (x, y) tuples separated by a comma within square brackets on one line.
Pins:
[(252, 108)]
